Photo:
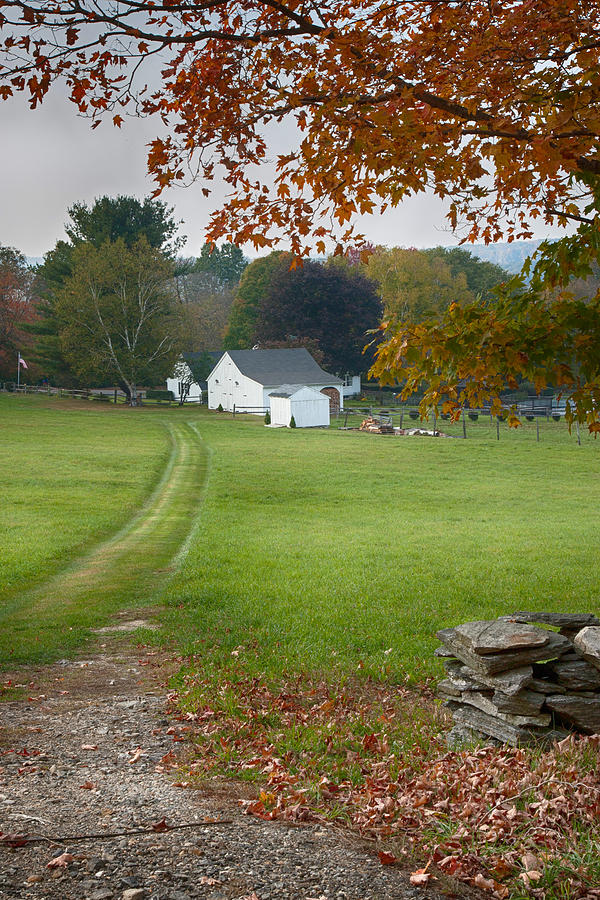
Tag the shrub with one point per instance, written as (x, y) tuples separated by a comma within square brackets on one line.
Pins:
[(220, 407), (159, 395), (556, 417), (530, 418), (413, 414), (267, 418), (473, 416), (292, 422)]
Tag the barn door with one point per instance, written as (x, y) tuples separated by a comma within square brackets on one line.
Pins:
[(334, 400)]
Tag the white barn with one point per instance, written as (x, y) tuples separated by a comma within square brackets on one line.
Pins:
[(182, 383), (247, 378), (309, 407)]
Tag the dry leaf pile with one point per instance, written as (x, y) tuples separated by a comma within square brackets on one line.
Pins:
[(374, 758)]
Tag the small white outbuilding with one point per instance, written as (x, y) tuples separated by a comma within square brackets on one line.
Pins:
[(309, 407)]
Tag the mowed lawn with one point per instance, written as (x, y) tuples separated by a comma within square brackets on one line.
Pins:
[(70, 474), (316, 549), (322, 549)]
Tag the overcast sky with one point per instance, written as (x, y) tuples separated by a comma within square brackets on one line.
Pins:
[(51, 159)]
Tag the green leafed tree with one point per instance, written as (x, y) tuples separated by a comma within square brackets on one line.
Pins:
[(223, 265), (117, 315), (415, 285), (46, 351), (482, 276), (108, 219), (125, 218), (254, 284)]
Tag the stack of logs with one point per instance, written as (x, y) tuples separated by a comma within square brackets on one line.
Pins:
[(375, 426), (513, 681)]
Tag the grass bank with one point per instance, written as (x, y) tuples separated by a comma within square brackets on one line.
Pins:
[(307, 604), (100, 502)]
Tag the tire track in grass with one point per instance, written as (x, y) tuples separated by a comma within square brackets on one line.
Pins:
[(126, 570)]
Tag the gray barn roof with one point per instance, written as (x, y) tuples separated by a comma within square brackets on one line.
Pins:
[(288, 390), (295, 366)]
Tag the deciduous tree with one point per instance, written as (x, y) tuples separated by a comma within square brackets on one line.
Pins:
[(332, 305), (108, 219), (494, 106), (16, 307), (254, 284), (481, 275), (116, 314), (414, 284)]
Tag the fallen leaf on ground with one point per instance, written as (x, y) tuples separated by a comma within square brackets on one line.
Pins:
[(206, 879), (531, 862), (61, 861), (14, 840), (487, 884), (136, 755), (89, 746), (387, 859), (420, 877), (161, 826), (88, 786), (531, 876)]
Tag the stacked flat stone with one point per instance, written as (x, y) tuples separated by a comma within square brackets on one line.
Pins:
[(514, 681)]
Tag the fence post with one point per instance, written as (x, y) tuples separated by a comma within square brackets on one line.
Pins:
[(464, 425), (578, 434), (537, 425), (401, 417), (497, 428), (434, 424), (234, 410), (115, 396)]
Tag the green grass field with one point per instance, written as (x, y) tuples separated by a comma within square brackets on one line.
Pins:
[(342, 548), (97, 503), (321, 548), (304, 575)]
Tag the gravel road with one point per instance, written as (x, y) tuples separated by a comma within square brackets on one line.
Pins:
[(81, 755)]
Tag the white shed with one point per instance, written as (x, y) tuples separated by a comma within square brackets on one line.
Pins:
[(309, 407)]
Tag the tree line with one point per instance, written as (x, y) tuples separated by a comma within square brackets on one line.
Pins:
[(493, 107), (116, 302)]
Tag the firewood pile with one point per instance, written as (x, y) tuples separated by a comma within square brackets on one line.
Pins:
[(519, 683), (374, 426)]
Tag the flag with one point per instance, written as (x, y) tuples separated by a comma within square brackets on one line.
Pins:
[(22, 362)]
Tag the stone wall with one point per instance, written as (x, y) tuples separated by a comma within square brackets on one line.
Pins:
[(520, 683)]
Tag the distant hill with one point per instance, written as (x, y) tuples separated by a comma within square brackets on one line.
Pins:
[(510, 256)]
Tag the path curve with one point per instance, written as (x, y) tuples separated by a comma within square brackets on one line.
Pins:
[(129, 567)]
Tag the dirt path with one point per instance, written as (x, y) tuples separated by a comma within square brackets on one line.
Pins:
[(124, 570), (81, 754)]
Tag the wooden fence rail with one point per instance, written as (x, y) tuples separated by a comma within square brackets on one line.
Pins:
[(114, 395)]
